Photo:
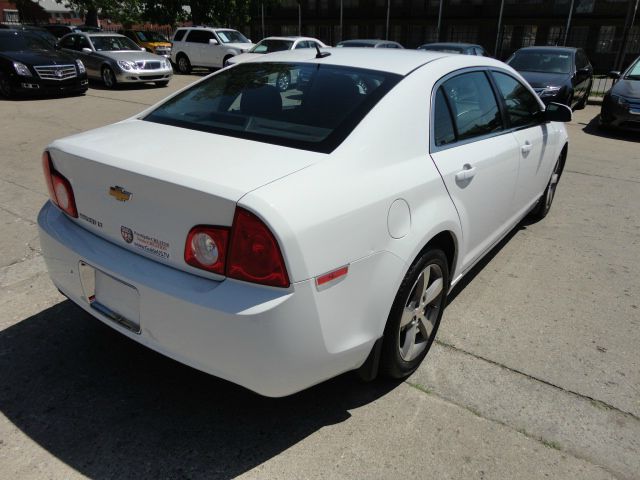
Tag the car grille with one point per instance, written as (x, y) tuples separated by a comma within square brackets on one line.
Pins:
[(56, 72), (148, 65)]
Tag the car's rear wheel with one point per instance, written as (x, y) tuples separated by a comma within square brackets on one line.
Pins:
[(108, 77), (544, 204), (283, 81), (6, 89), (415, 315), (184, 65)]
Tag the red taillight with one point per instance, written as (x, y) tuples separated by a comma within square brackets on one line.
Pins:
[(59, 187), (254, 254), (206, 248)]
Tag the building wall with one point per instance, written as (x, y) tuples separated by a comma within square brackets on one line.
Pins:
[(597, 25)]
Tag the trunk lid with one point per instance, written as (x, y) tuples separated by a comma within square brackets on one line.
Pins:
[(144, 185)]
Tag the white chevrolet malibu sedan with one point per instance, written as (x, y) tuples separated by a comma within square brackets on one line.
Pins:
[(279, 238)]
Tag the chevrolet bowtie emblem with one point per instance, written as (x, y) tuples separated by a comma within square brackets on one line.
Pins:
[(119, 193)]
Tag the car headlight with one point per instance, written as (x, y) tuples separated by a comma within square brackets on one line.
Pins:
[(550, 91), (22, 69), (126, 65), (81, 68), (620, 100), (166, 64)]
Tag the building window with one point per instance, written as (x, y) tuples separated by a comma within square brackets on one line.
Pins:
[(633, 44), (11, 16), (529, 35), (555, 35), (605, 39), (578, 37)]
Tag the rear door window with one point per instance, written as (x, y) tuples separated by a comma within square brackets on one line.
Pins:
[(200, 36), (179, 35), (473, 104), (443, 129)]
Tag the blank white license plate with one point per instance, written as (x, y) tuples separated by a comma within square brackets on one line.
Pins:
[(113, 298)]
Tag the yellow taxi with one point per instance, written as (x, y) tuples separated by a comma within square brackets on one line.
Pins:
[(153, 42)]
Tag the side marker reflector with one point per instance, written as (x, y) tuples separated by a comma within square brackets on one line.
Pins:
[(328, 277)]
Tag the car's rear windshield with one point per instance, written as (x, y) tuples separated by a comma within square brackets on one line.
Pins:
[(270, 46), (146, 36), (544, 62), (444, 49), (300, 105)]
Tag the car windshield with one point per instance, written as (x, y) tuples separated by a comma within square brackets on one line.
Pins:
[(315, 109), (151, 37), (544, 62), (112, 43), (231, 36), (268, 46), (634, 71), (19, 41)]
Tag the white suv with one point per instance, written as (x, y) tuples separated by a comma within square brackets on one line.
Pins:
[(206, 47)]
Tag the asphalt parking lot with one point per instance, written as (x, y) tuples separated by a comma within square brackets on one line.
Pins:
[(535, 374)]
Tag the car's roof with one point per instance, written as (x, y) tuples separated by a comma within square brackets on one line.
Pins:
[(450, 44), (291, 38), (548, 49), (102, 34), (369, 41), (400, 62)]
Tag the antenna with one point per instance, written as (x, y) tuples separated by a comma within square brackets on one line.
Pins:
[(320, 54)]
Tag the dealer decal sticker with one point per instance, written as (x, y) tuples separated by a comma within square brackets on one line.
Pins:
[(147, 243)]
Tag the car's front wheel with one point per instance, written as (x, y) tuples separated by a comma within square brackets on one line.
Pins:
[(283, 81), (164, 83), (415, 315), (108, 77)]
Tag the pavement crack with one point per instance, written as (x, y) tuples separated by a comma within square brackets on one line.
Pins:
[(593, 401), (603, 176), (545, 442), (6, 210), (15, 184), (119, 100)]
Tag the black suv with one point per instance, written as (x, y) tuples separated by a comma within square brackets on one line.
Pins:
[(557, 74)]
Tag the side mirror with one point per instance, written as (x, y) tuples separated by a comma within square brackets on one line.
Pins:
[(87, 50), (213, 41), (614, 74), (584, 71), (557, 112), (142, 49), (249, 40)]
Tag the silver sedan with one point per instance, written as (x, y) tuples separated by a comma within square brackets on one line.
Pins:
[(114, 59)]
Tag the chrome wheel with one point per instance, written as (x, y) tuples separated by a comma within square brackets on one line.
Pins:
[(108, 77), (184, 66), (283, 81), (421, 312)]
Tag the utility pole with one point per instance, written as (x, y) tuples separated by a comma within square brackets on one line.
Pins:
[(299, 19), (566, 31), (388, 14), (628, 25), (499, 37), (262, 8), (439, 21), (341, 27)]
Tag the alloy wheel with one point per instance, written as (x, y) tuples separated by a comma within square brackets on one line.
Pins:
[(420, 313)]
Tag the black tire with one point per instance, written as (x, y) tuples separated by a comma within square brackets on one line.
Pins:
[(108, 77), (162, 84), (411, 316), (6, 89), (283, 81), (544, 203), (224, 60), (184, 64), (585, 98)]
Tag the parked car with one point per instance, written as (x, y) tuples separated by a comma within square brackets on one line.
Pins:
[(277, 240), (278, 44), (557, 74), (114, 59), (461, 48), (369, 44), (206, 47), (29, 65), (152, 42), (621, 104)]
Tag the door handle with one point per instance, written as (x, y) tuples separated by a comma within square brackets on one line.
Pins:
[(526, 148), (467, 173)]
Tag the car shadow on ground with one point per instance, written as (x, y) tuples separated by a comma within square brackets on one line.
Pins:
[(593, 128), (97, 85), (108, 407)]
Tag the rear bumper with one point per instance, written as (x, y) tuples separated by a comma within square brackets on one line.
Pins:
[(272, 341), (613, 115)]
